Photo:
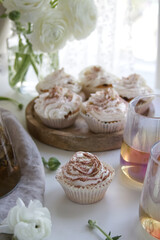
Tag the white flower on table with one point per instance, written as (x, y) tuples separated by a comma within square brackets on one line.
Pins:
[(32, 222), (81, 14), (50, 32), (29, 9)]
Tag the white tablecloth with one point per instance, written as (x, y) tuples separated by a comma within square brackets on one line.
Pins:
[(117, 212)]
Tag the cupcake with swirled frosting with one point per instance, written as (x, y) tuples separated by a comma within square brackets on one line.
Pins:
[(95, 78), (104, 111), (58, 108), (59, 78), (85, 178), (132, 86)]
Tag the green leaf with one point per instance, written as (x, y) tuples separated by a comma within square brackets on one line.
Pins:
[(117, 237), (52, 164)]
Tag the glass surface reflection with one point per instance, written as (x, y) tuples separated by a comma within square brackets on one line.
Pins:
[(141, 131)]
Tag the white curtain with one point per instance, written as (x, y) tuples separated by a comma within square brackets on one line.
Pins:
[(120, 42)]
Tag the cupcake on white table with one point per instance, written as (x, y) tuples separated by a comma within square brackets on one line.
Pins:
[(104, 111), (85, 178), (95, 78), (58, 108)]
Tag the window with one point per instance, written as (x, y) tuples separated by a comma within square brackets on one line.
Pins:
[(124, 41)]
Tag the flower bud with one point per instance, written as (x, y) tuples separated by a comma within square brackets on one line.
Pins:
[(14, 15)]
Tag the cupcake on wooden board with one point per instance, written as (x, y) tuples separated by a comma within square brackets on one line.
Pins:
[(132, 86), (95, 78), (85, 178), (58, 108), (59, 78), (104, 111)]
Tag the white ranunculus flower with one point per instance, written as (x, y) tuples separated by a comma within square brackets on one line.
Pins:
[(37, 229), (50, 32), (32, 222), (81, 14), (29, 9)]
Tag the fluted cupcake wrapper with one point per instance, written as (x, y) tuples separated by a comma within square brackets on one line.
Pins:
[(97, 126), (88, 194), (59, 123)]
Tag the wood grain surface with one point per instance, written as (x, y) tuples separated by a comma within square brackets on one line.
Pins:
[(75, 138)]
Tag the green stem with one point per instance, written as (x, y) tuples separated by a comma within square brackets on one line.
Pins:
[(93, 224), (20, 105), (108, 237), (20, 74), (34, 65), (55, 60), (54, 3), (44, 161)]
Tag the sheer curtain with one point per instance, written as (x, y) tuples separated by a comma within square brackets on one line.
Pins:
[(124, 41)]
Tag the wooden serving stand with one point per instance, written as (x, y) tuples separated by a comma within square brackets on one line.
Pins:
[(75, 138)]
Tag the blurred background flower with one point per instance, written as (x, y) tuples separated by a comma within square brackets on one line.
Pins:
[(43, 26)]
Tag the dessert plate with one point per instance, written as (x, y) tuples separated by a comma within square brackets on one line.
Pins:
[(75, 138)]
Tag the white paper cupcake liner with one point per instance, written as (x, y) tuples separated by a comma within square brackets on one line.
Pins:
[(88, 194), (97, 126), (59, 123)]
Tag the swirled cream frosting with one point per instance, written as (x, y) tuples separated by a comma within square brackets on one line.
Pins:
[(58, 78), (96, 76), (84, 169), (105, 106), (58, 103), (132, 86)]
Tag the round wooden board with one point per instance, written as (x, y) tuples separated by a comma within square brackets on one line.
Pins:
[(75, 138)]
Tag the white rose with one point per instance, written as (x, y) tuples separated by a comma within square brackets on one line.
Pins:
[(32, 222), (29, 9), (81, 14), (50, 32)]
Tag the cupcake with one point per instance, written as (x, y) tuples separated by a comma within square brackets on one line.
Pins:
[(58, 108), (132, 86), (59, 78), (85, 178), (95, 78), (104, 111)]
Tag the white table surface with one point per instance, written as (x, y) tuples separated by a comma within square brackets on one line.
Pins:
[(116, 212)]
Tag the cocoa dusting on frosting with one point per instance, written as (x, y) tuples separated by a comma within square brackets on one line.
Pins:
[(105, 105), (57, 103), (85, 169), (58, 78), (96, 76), (132, 86)]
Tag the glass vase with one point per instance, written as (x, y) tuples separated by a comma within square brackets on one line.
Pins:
[(25, 66)]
